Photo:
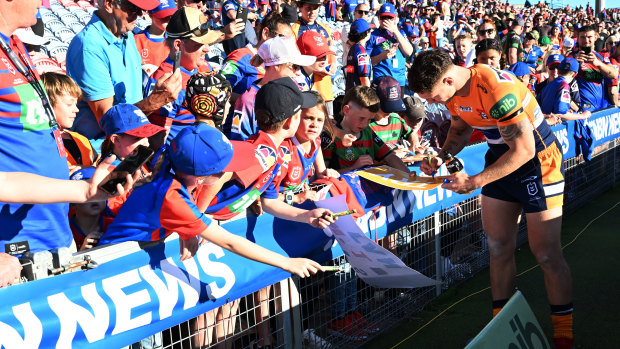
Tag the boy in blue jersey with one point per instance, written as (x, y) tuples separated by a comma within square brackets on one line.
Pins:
[(358, 68), (555, 98)]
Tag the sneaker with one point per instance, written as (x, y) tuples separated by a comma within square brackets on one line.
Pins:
[(361, 321), (564, 343), (347, 329)]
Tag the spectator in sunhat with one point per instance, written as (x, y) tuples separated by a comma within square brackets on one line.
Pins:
[(150, 42)]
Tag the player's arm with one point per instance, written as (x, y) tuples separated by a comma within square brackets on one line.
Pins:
[(520, 139), (457, 137)]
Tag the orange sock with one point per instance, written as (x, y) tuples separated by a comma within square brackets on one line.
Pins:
[(498, 305), (562, 318), (496, 311)]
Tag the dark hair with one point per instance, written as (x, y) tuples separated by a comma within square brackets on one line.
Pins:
[(272, 20), (587, 28), (357, 37), (362, 96), (428, 67), (488, 44)]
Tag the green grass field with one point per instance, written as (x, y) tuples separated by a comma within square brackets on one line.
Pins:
[(593, 258)]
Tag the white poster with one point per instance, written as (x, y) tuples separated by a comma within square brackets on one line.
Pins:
[(375, 265)]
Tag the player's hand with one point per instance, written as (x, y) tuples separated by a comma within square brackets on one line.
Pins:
[(102, 174), (302, 267), (234, 28), (364, 160), (10, 269), (430, 164), (189, 247), (460, 183), (319, 218)]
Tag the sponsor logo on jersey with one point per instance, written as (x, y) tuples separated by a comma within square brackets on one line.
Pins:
[(565, 97), (482, 114), (504, 106), (363, 59), (266, 156), (286, 155), (465, 109), (8, 65)]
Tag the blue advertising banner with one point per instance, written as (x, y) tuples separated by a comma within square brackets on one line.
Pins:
[(135, 296)]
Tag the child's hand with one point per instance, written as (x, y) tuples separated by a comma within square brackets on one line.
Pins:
[(348, 139), (364, 160), (91, 240), (319, 218), (302, 267), (329, 172), (188, 247)]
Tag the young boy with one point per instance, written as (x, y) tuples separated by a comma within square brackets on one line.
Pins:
[(464, 48), (388, 125), (555, 98), (278, 107), (359, 107)]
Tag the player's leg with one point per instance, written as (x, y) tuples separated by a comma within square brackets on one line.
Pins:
[(499, 220), (544, 237)]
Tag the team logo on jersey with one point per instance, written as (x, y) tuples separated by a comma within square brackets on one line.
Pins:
[(296, 173), (465, 109), (145, 52), (532, 189), (483, 115), (502, 76), (266, 156), (349, 155), (363, 59), (286, 155), (9, 66), (504, 106)]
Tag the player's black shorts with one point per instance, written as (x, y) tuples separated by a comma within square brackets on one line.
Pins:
[(538, 185)]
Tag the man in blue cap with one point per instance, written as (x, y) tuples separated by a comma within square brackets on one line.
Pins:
[(358, 68), (389, 47)]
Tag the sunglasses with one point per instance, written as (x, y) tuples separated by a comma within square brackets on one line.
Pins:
[(385, 18), (486, 31), (552, 67), (363, 13)]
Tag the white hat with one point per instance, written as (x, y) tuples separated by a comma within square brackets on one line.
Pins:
[(568, 42), (280, 50), (27, 36)]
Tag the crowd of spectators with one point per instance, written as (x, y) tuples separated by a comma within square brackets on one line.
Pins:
[(254, 133)]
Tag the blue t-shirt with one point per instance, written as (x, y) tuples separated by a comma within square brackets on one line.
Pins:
[(239, 71), (240, 123), (103, 66), (155, 210), (591, 88), (27, 144), (381, 40), (532, 57), (555, 97)]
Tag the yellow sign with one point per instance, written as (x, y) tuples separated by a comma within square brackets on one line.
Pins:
[(393, 178)]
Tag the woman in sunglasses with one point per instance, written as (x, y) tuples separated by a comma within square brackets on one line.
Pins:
[(486, 30)]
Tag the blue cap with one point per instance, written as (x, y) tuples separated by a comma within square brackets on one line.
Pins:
[(359, 26), (83, 174), (388, 91), (387, 9), (202, 150), (555, 58), (569, 63), (129, 119), (520, 69), (166, 8)]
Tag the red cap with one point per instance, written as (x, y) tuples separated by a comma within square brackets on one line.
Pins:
[(145, 5), (311, 43)]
